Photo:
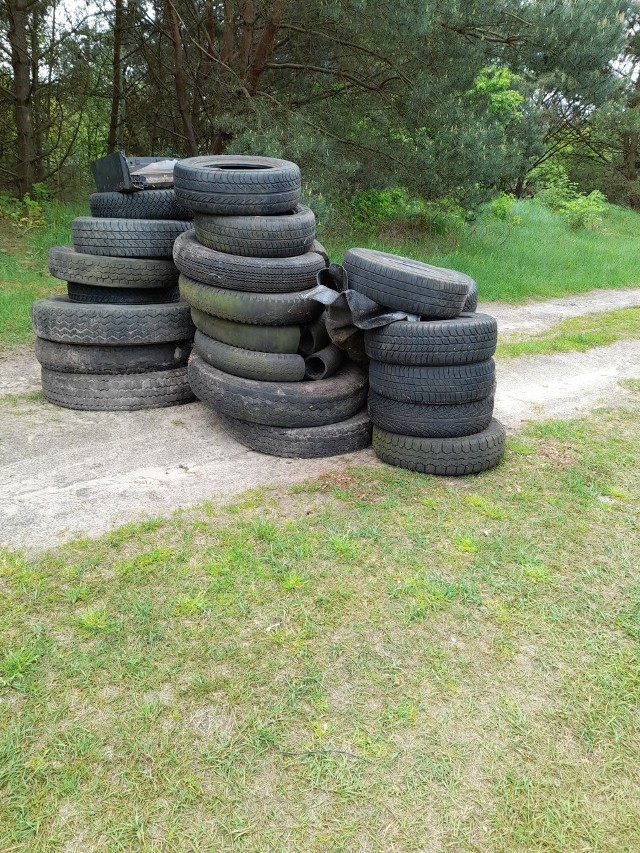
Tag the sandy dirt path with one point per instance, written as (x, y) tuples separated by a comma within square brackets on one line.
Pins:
[(65, 473)]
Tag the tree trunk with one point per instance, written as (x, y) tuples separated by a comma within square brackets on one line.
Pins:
[(116, 79), (181, 97), (21, 64)]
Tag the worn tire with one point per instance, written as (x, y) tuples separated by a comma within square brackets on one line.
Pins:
[(427, 421), (282, 236), (256, 186), (56, 318), (121, 295), (125, 393), (451, 457), (262, 366), (84, 358), (69, 265), (265, 309), (286, 404), (463, 340), (303, 442), (471, 302), (256, 275), (407, 285), (460, 383), (146, 204), (127, 238), (273, 339)]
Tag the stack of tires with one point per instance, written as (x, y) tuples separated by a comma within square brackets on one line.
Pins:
[(262, 359), (432, 380), (121, 337)]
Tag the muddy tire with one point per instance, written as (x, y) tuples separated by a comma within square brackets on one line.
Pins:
[(427, 421), (67, 264), (290, 404), (127, 238), (122, 295), (462, 383), (283, 236), (266, 309), (255, 275), (407, 285), (147, 204), (261, 366), (303, 442), (450, 457), (84, 358), (274, 339), (463, 340), (56, 318), (149, 390), (231, 185)]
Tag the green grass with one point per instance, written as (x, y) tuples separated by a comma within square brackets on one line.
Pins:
[(540, 258), (373, 661), (23, 268), (577, 334)]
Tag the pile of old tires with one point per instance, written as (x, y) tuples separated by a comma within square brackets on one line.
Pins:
[(121, 337), (432, 379), (261, 358)]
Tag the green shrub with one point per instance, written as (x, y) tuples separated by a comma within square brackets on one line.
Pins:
[(585, 211), (371, 209), (503, 207), (561, 194), (27, 212)]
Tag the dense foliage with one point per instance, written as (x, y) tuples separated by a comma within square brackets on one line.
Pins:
[(446, 99)]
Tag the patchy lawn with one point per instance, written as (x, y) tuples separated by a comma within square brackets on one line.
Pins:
[(577, 334), (377, 661)]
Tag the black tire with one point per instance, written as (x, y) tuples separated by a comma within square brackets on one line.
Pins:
[(273, 339), (287, 404), (69, 265), (84, 358), (127, 238), (324, 363), (407, 285), (282, 236), (262, 366), (122, 295), (464, 340), (237, 185), (450, 457), (265, 309), (461, 383), (56, 318), (146, 204), (303, 442), (150, 390), (471, 302), (427, 421), (256, 275)]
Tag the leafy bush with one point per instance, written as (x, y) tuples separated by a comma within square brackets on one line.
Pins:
[(561, 194), (585, 211), (28, 212), (502, 208), (371, 209)]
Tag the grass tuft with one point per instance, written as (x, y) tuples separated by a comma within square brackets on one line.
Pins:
[(577, 334)]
